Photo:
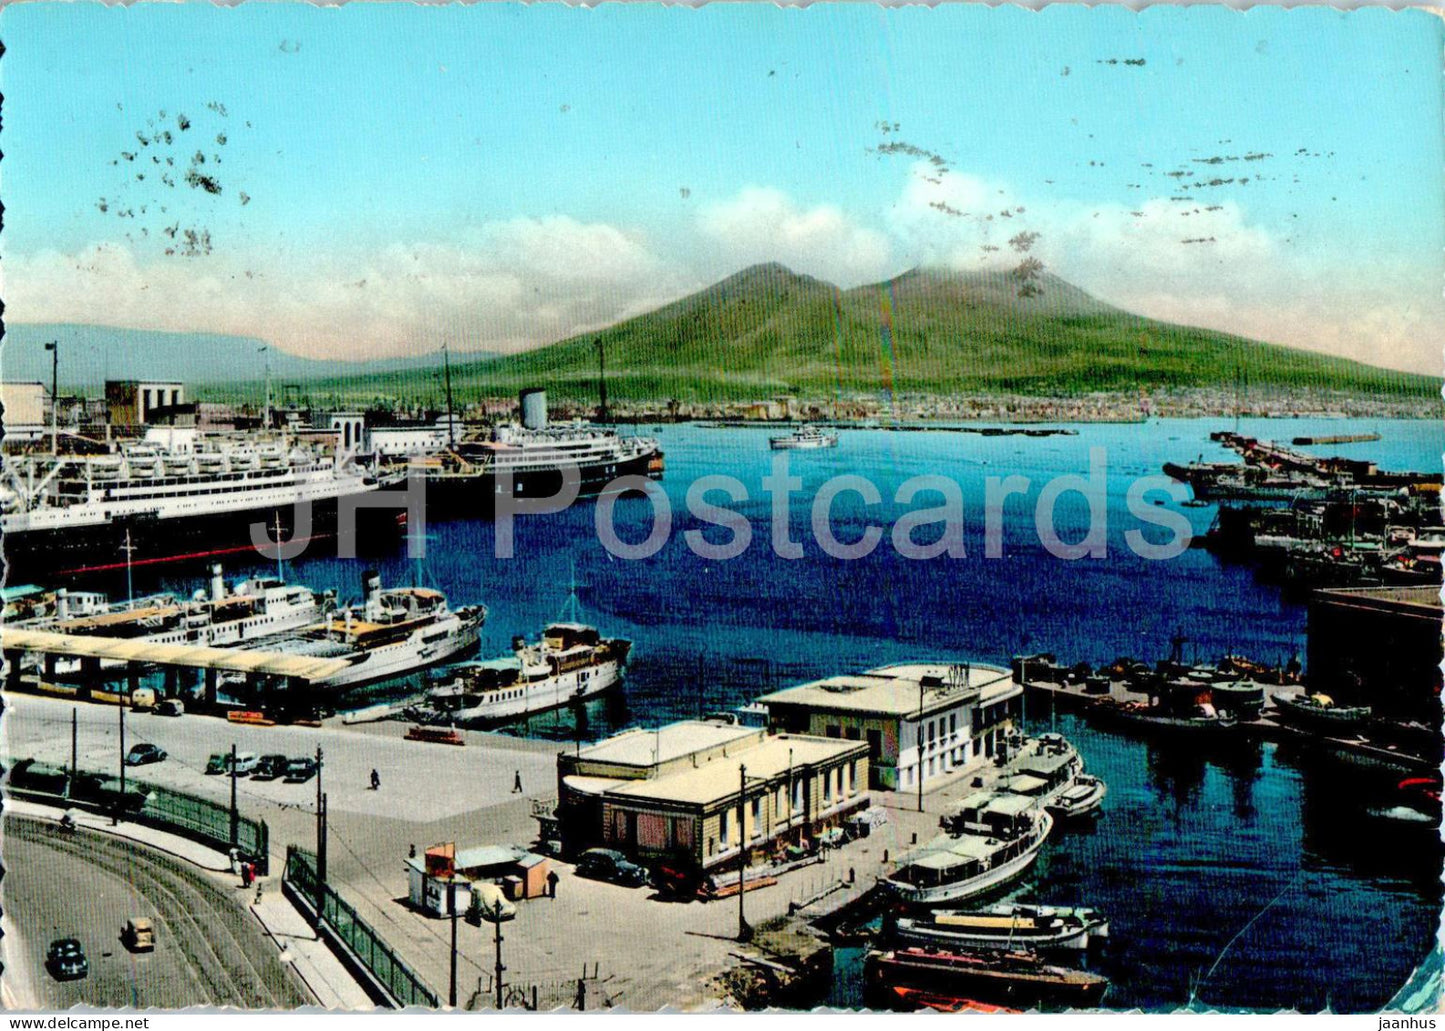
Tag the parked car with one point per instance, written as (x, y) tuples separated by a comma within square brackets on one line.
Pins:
[(218, 762), (604, 864), (270, 767), (141, 755), (170, 707), (66, 960), (299, 770), (246, 763), (139, 935)]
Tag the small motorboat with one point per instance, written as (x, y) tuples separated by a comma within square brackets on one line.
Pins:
[(1081, 798), (915, 999), (1319, 712), (1006, 927), (1012, 979)]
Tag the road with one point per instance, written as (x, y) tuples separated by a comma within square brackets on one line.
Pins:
[(209, 949)]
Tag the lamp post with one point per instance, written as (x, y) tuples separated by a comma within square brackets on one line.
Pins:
[(920, 744), (53, 347), (745, 932)]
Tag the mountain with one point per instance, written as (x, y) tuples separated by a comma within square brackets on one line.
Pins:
[(89, 355), (767, 330)]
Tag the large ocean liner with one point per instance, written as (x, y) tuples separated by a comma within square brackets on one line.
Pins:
[(175, 494)]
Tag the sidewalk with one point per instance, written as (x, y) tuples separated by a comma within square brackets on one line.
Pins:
[(314, 962)]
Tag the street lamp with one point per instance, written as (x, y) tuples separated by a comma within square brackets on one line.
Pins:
[(53, 347), (745, 932)]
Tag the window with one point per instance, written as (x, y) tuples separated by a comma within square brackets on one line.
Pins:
[(853, 777), (797, 796), (833, 730), (953, 724), (724, 828), (780, 805), (930, 732), (827, 786), (757, 817)]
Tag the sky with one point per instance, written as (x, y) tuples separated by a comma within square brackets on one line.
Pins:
[(377, 179)]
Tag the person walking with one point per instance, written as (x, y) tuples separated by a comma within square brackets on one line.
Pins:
[(375, 781), (552, 880), (517, 783)]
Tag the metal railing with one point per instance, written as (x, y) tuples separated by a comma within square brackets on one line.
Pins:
[(391, 973), (167, 809)]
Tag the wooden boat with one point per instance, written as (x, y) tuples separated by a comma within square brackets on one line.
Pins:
[(916, 998), (1013, 979), (997, 838), (1006, 927), (1319, 712)]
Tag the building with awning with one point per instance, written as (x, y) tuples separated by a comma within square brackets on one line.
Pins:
[(697, 795)]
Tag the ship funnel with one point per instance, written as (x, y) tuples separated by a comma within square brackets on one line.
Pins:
[(218, 584), (534, 409), (371, 586)]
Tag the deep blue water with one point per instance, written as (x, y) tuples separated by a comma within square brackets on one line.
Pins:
[(1191, 848)]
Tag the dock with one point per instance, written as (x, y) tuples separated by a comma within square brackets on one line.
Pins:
[(1338, 438)]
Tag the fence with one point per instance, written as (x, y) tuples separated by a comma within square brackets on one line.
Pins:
[(190, 816), (394, 976)]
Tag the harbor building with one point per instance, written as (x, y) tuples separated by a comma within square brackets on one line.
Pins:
[(134, 403), (1378, 646), (699, 794), (27, 409), (918, 719)]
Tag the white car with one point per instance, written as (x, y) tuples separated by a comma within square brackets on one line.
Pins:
[(246, 762), (493, 903)]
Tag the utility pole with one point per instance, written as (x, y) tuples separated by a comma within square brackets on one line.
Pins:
[(745, 933), (119, 802), (451, 426), (920, 745), (320, 843), (602, 380), (452, 913), (497, 929), (70, 787), (234, 828), (54, 348), (129, 549), (266, 414)]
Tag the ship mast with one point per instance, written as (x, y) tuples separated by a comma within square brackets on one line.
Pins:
[(128, 548), (451, 425)]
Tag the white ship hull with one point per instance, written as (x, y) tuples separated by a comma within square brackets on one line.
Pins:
[(442, 642), (543, 695), (803, 444), (969, 887)]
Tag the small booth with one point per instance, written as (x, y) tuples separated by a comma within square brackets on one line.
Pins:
[(520, 873)]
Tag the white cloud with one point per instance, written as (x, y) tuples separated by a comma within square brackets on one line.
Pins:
[(508, 286), (762, 224)]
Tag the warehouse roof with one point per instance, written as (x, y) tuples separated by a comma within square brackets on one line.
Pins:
[(718, 779), (651, 747), (894, 690)]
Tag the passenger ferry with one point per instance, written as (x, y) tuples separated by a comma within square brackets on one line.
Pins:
[(996, 838), (570, 664), (806, 439)]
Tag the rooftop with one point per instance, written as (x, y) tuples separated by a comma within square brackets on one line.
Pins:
[(718, 779), (893, 690), (1421, 600), (643, 747)]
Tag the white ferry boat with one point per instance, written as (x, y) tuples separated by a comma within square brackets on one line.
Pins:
[(999, 836), (807, 438), (570, 664), (391, 634), (175, 491)]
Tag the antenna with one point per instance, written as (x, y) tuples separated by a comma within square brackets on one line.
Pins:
[(128, 547), (280, 567)]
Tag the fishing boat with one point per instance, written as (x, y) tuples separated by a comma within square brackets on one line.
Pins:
[(570, 664), (1006, 926), (805, 439), (917, 998), (1157, 719), (994, 839), (1083, 797), (1015, 979), (1319, 712)]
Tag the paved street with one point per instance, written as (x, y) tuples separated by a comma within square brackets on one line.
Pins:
[(209, 950), (647, 953)]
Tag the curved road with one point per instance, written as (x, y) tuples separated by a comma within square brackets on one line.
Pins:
[(210, 951)]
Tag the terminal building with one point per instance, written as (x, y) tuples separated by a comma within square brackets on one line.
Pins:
[(699, 794), (918, 719)]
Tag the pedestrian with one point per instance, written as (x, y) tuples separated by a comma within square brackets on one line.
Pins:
[(411, 853), (246, 874), (375, 781), (517, 783), (552, 880), (235, 861)]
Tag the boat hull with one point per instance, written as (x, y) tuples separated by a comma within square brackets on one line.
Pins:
[(1014, 982), (453, 495), (972, 887), (544, 696)]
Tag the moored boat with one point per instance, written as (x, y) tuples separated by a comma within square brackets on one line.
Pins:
[(1320, 712), (995, 839), (1007, 927), (1014, 979), (805, 439), (1083, 797), (917, 998)]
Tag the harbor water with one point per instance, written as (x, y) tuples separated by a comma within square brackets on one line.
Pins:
[(1271, 867)]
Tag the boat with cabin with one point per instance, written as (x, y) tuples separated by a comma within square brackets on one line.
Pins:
[(991, 839), (1017, 979), (1007, 926), (1321, 713), (807, 438)]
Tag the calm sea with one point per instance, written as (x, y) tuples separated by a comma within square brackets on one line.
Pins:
[(1330, 905)]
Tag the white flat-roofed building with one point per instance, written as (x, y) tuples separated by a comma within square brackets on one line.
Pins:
[(919, 719), (676, 794), (27, 409)]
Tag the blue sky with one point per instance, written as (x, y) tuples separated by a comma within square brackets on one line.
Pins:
[(503, 175)]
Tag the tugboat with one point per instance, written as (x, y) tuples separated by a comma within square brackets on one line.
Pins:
[(807, 438), (570, 663)]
